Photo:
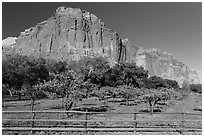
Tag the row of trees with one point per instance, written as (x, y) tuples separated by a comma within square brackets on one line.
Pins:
[(99, 72), (18, 70), (87, 77), (21, 71)]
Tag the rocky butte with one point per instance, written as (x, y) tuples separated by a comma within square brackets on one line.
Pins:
[(72, 33)]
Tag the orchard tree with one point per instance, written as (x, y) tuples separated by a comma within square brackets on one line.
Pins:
[(13, 70), (166, 94), (6, 91), (67, 85), (155, 82), (101, 93), (171, 84), (125, 93), (35, 71), (91, 68), (125, 74), (185, 86), (196, 88), (56, 67), (128, 92), (152, 96), (113, 92), (18, 70)]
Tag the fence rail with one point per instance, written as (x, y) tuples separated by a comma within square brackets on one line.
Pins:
[(87, 127), (83, 112)]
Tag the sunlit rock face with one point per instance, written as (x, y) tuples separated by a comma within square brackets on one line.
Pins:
[(8, 45), (74, 33), (70, 34), (162, 64)]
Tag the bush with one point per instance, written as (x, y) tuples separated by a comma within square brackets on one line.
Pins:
[(158, 82), (196, 88)]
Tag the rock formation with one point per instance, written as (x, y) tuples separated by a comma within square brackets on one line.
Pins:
[(8, 44), (69, 34), (162, 64), (73, 33)]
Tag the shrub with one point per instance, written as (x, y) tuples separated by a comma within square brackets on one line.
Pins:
[(196, 88)]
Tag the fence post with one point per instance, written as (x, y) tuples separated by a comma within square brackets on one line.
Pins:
[(86, 118), (32, 123), (182, 122), (135, 117)]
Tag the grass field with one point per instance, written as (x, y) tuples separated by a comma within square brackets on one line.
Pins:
[(191, 104)]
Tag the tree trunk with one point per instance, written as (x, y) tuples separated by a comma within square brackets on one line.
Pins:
[(104, 102), (155, 102), (127, 102), (3, 100), (32, 104), (19, 96), (68, 106), (151, 107), (103, 99)]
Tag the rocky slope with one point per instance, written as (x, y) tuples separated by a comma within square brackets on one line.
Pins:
[(73, 33)]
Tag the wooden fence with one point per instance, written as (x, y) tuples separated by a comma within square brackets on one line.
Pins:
[(134, 125)]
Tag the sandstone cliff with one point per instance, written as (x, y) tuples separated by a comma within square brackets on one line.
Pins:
[(162, 64), (9, 44), (69, 34), (73, 33)]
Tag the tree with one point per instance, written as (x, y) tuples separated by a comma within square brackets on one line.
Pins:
[(171, 84), (54, 66), (91, 68), (166, 94), (18, 70), (6, 91), (113, 92), (185, 85), (102, 93), (152, 96), (155, 82), (125, 74), (129, 92), (196, 88), (32, 93), (67, 85), (13, 70), (35, 71)]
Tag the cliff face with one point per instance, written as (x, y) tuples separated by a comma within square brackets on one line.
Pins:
[(73, 33), (162, 64), (8, 45), (70, 34)]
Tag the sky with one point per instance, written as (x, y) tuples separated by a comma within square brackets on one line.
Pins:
[(172, 27)]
